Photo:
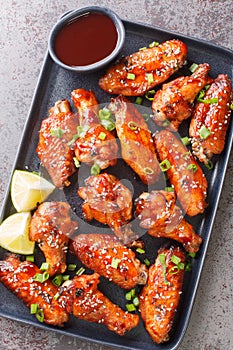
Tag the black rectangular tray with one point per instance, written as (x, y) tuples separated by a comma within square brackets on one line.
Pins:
[(56, 83)]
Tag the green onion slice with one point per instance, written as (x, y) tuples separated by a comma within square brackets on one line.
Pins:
[(231, 106), (139, 100), (204, 132), (162, 259), (95, 169), (115, 262), (174, 270), (185, 140), (148, 171), (169, 189), (57, 280), (45, 266), (140, 251), (175, 259), (76, 162), (136, 301), (80, 271), (192, 255), (130, 307), (56, 296), (102, 136), (131, 76), (166, 123), (165, 165), (108, 124), (193, 67), (154, 43), (150, 95), (128, 295), (209, 165), (57, 132), (192, 167), (41, 277), (150, 78), (142, 48), (33, 309), (147, 262), (132, 125), (30, 258), (71, 267), (40, 315), (146, 117)]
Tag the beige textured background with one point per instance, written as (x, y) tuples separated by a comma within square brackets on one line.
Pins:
[(24, 29)]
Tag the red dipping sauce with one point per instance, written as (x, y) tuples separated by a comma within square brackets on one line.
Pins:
[(86, 39)]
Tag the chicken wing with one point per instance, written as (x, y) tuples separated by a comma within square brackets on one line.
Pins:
[(19, 278), (137, 147), (159, 299), (158, 212), (97, 145), (139, 72), (51, 226), (213, 118), (86, 302), (108, 201), (183, 171), (53, 149), (173, 103), (107, 256)]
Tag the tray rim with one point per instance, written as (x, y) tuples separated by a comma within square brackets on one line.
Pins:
[(48, 61)]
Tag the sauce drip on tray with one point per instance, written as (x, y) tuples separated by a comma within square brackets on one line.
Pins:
[(86, 40)]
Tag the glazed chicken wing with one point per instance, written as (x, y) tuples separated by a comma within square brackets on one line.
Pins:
[(107, 256), (51, 226), (210, 121), (158, 212), (19, 278), (183, 171), (137, 147), (108, 201), (139, 72), (97, 145), (159, 299), (86, 302), (53, 149), (173, 103)]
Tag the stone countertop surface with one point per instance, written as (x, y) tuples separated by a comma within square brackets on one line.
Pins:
[(24, 30)]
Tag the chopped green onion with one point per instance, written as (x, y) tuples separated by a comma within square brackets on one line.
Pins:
[(146, 116), (76, 162), (71, 267), (66, 277), (95, 169), (57, 280), (169, 189), (181, 266), (162, 259), (45, 266), (128, 295), (57, 132), (192, 255), (140, 251), (188, 266), (166, 123), (139, 100), (82, 130), (80, 271), (147, 262), (132, 125), (115, 262), (192, 167), (153, 44), (56, 296), (130, 307), (209, 165), (150, 95), (175, 259), (208, 101), (148, 171), (133, 292), (74, 138), (30, 258), (33, 309), (40, 315), (193, 67), (108, 124), (185, 140), (231, 106), (102, 136), (131, 76), (41, 277), (136, 301), (142, 48), (104, 113), (174, 270), (186, 155), (204, 132), (165, 165), (150, 78)]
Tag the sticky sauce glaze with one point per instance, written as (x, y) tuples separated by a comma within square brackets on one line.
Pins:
[(86, 40)]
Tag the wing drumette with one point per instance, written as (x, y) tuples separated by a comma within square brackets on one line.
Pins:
[(183, 171), (51, 226), (158, 212), (96, 145), (139, 72), (108, 201), (159, 299), (137, 147), (86, 302), (53, 149), (210, 119), (107, 256), (19, 277), (173, 103)]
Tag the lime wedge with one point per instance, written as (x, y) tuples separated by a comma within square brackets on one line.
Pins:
[(14, 232), (28, 189)]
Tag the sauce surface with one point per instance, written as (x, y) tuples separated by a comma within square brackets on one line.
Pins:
[(86, 40)]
